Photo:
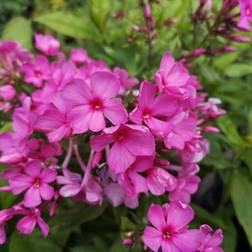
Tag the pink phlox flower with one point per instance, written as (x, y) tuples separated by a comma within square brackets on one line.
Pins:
[(187, 184), (129, 141), (36, 72), (169, 229), (246, 14), (182, 128), (153, 110), (126, 82), (35, 181), (211, 242), (27, 224), (7, 92), (47, 44), (171, 75), (92, 106), (79, 56)]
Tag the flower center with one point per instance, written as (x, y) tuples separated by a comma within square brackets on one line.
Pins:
[(146, 114), (96, 104), (37, 73), (36, 182), (120, 136), (248, 11), (167, 235)]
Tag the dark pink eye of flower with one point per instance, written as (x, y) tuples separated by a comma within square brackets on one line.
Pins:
[(248, 11), (36, 183), (146, 113), (96, 104), (120, 136), (37, 73), (167, 235)]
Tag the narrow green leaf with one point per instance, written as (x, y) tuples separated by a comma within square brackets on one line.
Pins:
[(19, 29), (238, 70), (70, 25), (230, 130), (241, 194), (99, 12)]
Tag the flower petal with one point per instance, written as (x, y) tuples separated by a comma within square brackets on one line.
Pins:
[(152, 238), (46, 191), (32, 197)]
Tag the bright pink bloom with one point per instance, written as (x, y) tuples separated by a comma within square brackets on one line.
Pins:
[(246, 14), (92, 106), (55, 121), (187, 184), (79, 56), (129, 141), (35, 180), (150, 108), (181, 129), (5, 215), (126, 82), (7, 92), (47, 44), (171, 75), (27, 224), (211, 242), (170, 230)]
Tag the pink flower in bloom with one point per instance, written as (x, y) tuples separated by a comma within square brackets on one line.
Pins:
[(55, 121), (182, 128), (90, 106), (246, 14), (27, 224), (38, 72), (126, 82), (211, 242), (47, 44), (7, 92), (171, 75), (129, 141), (151, 109), (35, 180), (170, 230), (187, 184), (79, 56)]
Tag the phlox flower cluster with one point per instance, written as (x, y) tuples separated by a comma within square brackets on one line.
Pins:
[(141, 139)]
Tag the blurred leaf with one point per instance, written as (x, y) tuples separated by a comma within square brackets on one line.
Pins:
[(230, 238), (31, 243), (246, 156), (230, 130), (99, 12), (70, 25), (222, 62), (19, 29), (238, 70), (250, 121), (6, 127), (117, 247), (241, 194)]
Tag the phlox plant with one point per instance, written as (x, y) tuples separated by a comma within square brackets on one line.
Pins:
[(85, 132)]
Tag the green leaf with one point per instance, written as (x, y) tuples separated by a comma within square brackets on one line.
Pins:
[(241, 194), (19, 29), (34, 243), (99, 12), (223, 61), (238, 70), (246, 156), (70, 25), (6, 127), (230, 130), (230, 238)]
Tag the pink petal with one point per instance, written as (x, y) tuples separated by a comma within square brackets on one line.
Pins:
[(46, 191), (152, 238), (136, 116), (32, 197), (189, 240), (179, 215), (48, 175), (96, 122), (156, 217), (70, 190), (167, 62), (163, 105), (2, 235), (79, 118), (139, 182), (59, 133), (169, 246), (115, 194), (104, 84), (33, 168), (26, 225), (143, 163), (20, 183), (115, 111), (43, 226), (77, 92), (98, 143), (120, 159), (146, 95)]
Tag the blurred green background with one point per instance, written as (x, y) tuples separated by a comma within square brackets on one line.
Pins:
[(104, 29)]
